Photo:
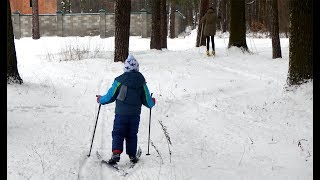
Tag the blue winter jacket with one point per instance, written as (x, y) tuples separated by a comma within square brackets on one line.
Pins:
[(130, 91)]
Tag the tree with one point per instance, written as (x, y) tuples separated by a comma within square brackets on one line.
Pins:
[(164, 26), (122, 29), (238, 25), (283, 16), (155, 42), (12, 68), (204, 6), (172, 19), (300, 42), (224, 15), (35, 20), (276, 48), (66, 6)]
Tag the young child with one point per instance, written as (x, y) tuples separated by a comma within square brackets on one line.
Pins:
[(130, 91)]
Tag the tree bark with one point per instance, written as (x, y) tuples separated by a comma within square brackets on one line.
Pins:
[(201, 39), (35, 20), (276, 48), (164, 26), (172, 19), (300, 42), (122, 29), (12, 68), (155, 42), (189, 15), (196, 12), (238, 25), (224, 15)]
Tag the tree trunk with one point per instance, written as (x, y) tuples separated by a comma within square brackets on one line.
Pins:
[(122, 29), (219, 21), (155, 42), (224, 15), (12, 68), (35, 20), (196, 12), (172, 19), (228, 15), (189, 15), (283, 16), (301, 42), (164, 26), (238, 25), (204, 6), (248, 14), (276, 48)]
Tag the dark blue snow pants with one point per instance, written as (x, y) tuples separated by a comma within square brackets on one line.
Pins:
[(125, 127)]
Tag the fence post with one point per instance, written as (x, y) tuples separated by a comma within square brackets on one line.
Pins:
[(59, 23), (102, 23), (16, 25)]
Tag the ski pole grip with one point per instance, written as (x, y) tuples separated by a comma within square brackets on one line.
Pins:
[(151, 94), (97, 95)]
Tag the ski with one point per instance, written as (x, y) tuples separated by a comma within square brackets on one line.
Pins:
[(139, 152), (115, 167)]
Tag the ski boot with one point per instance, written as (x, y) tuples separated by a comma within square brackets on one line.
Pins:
[(208, 53), (133, 159), (213, 53), (114, 158)]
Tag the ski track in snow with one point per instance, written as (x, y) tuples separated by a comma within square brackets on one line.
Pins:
[(227, 117)]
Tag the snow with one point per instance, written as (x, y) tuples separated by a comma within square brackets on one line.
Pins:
[(228, 117)]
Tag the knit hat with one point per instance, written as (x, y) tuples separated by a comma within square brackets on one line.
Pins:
[(131, 64)]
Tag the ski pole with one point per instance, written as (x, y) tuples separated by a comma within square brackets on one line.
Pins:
[(149, 129), (94, 129)]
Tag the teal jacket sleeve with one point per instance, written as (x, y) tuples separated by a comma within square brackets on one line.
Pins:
[(111, 95), (147, 99)]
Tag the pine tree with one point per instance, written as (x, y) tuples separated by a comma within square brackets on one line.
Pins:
[(238, 25), (122, 29), (155, 42), (164, 26), (300, 42), (35, 20), (276, 48), (12, 68), (172, 19)]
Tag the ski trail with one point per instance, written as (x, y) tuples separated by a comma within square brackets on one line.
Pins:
[(88, 166)]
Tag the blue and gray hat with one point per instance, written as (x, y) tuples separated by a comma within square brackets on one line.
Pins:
[(131, 64)]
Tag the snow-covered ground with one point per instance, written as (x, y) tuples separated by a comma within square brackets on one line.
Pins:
[(228, 117)]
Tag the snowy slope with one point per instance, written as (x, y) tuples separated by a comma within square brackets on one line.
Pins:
[(228, 117)]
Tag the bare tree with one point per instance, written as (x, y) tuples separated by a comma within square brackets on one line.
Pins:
[(164, 26), (172, 18), (276, 48), (35, 20), (238, 25), (300, 43), (122, 29), (204, 6), (155, 42), (12, 68)]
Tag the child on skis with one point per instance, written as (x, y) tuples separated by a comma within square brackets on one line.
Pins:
[(130, 91)]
